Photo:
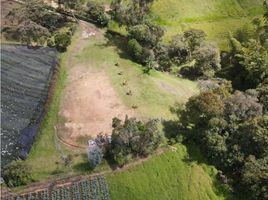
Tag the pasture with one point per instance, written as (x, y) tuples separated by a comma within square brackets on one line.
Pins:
[(175, 174), (216, 17)]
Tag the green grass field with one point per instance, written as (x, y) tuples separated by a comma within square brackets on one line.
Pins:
[(216, 17), (154, 94), (171, 175)]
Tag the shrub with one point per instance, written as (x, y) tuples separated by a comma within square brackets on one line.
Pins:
[(62, 41), (97, 13), (95, 156), (135, 49), (17, 173)]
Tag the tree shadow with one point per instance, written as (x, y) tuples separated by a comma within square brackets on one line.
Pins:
[(82, 166), (120, 43), (170, 128)]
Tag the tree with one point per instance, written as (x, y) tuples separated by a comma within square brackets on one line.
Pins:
[(147, 34), (162, 57), (30, 32), (200, 109), (96, 12), (254, 61), (133, 138), (241, 106), (62, 41), (255, 177), (38, 12), (207, 61), (95, 156), (130, 14), (135, 50), (71, 4), (179, 50), (263, 95), (253, 136), (17, 173), (195, 38)]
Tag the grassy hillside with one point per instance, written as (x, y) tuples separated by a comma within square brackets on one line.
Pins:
[(154, 94), (215, 17), (172, 175)]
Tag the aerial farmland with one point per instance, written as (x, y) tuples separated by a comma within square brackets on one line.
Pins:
[(134, 99)]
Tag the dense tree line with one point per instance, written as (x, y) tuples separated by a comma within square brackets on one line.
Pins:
[(188, 51), (231, 127), (232, 132)]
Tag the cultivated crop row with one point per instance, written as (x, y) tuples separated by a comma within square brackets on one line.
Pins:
[(94, 189)]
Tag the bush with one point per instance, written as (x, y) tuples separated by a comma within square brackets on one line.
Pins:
[(135, 49), (133, 138), (17, 173), (62, 41), (97, 13), (95, 156)]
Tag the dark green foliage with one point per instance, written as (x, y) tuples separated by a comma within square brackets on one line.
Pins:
[(96, 12), (200, 109), (37, 21), (229, 132), (72, 4), (17, 173), (131, 13), (207, 61), (30, 33), (162, 57), (248, 66), (254, 60), (62, 41), (263, 95), (95, 156), (195, 38), (179, 50), (255, 177), (133, 138), (143, 38), (135, 50), (199, 59), (38, 12), (253, 137)]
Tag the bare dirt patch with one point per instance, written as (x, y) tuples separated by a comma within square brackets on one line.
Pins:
[(89, 102)]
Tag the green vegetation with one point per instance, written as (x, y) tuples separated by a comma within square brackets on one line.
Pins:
[(17, 173), (133, 138), (96, 12), (62, 41), (153, 94), (215, 17), (171, 175)]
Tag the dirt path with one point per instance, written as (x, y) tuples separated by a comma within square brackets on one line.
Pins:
[(89, 101)]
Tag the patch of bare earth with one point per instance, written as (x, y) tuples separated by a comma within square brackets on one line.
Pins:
[(89, 102)]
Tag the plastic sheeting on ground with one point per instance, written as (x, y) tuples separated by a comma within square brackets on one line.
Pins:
[(25, 79)]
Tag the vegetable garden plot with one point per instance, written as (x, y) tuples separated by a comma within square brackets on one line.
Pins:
[(25, 80), (95, 189)]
